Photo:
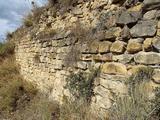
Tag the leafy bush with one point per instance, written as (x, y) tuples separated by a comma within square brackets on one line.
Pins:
[(81, 84)]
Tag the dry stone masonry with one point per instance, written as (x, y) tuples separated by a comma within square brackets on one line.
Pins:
[(119, 36)]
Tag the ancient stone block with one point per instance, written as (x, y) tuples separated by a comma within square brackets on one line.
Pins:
[(147, 44), (125, 58), (156, 76), (144, 29), (151, 4), (86, 57), (114, 68), (147, 58), (103, 58), (135, 8), (156, 43), (127, 17), (104, 46), (82, 65), (158, 32), (135, 69), (125, 33), (150, 15), (134, 46), (93, 47), (118, 47)]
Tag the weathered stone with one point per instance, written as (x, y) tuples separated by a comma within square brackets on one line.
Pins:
[(113, 1), (125, 58), (150, 15), (114, 68), (158, 32), (118, 47), (144, 29), (156, 43), (156, 76), (104, 46), (147, 44), (115, 84), (93, 47), (158, 25), (99, 3), (110, 36), (136, 8), (77, 11), (151, 4), (125, 33), (112, 33), (100, 90), (82, 65), (86, 57), (58, 65), (134, 47), (108, 18), (103, 58), (117, 31), (73, 19), (147, 58), (135, 69), (102, 103), (127, 17)]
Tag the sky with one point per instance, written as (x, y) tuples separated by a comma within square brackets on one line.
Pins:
[(12, 12)]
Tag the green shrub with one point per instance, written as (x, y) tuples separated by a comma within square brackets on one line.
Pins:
[(81, 84)]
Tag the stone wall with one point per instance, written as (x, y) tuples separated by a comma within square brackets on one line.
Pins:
[(119, 38)]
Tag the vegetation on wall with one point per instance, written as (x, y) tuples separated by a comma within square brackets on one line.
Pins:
[(81, 84), (137, 104)]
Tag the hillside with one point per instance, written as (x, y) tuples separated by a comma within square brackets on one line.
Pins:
[(86, 60)]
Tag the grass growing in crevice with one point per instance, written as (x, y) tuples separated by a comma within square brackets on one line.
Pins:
[(137, 104)]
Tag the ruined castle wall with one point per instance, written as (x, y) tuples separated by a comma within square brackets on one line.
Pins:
[(94, 34)]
